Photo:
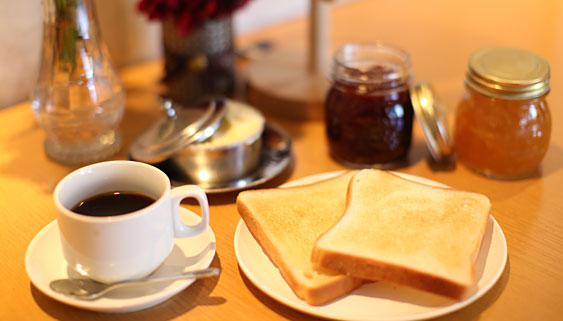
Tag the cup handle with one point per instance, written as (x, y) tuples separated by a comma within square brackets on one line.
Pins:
[(176, 196)]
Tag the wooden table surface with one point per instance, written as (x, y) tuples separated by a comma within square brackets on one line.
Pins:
[(440, 35)]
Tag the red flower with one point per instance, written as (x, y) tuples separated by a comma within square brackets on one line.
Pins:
[(189, 14)]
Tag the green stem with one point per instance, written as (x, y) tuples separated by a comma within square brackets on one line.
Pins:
[(67, 31)]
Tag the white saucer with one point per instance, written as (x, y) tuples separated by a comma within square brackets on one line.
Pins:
[(373, 301), (44, 262)]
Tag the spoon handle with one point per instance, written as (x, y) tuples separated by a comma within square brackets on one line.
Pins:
[(88, 289), (208, 272), (212, 271)]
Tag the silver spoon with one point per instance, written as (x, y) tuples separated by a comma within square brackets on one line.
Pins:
[(88, 289)]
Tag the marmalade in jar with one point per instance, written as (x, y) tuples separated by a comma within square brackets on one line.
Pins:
[(368, 111), (503, 123)]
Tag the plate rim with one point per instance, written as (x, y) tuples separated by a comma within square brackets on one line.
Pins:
[(134, 304), (300, 305)]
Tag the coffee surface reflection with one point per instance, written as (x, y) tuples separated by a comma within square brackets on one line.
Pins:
[(113, 203)]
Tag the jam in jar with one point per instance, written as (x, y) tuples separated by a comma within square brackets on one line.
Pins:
[(503, 123), (368, 110)]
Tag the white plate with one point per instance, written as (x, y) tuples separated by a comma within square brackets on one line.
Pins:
[(373, 301), (44, 262)]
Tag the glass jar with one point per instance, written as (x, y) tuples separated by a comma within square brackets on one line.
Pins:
[(368, 111), (503, 123), (78, 98)]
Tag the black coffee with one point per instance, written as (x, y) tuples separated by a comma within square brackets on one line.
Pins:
[(112, 203)]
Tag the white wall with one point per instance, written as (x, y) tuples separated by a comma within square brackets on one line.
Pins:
[(20, 41), (129, 35), (260, 13)]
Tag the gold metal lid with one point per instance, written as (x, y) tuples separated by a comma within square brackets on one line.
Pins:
[(432, 117), (508, 73)]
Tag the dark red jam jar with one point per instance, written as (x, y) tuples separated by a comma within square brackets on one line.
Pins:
[(368, 110)]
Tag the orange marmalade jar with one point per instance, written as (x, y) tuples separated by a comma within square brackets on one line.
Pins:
[(503, 123)]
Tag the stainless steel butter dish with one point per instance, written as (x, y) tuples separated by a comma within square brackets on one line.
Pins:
[(213, 142)]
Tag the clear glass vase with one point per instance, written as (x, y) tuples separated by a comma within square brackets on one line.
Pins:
[(78, 98)]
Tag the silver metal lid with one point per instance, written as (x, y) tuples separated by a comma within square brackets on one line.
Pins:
[(180, 127), (431, 115)]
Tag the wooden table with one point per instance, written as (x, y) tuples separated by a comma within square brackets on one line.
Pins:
[(440, 35)]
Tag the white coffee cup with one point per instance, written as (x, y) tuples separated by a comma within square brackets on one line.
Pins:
[(126, 246)]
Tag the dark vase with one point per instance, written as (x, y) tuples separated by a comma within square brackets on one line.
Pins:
[(200, 64)]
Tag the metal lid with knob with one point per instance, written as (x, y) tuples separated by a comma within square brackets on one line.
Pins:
[(180, 127)]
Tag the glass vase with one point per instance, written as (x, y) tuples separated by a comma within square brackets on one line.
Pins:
[(201, 63), (78, 98)]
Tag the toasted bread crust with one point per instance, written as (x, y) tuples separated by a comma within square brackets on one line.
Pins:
[(381, 271), (314, 295)]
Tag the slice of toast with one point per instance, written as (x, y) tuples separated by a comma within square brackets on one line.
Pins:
[(286, 222), (406, 233)]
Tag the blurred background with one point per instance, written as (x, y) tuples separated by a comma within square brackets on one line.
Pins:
[(132, 38), (129, 35)]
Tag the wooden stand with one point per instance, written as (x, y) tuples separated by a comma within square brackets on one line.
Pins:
[(291, 84)]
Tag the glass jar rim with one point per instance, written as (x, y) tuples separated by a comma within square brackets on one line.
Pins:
[(371, 64)]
